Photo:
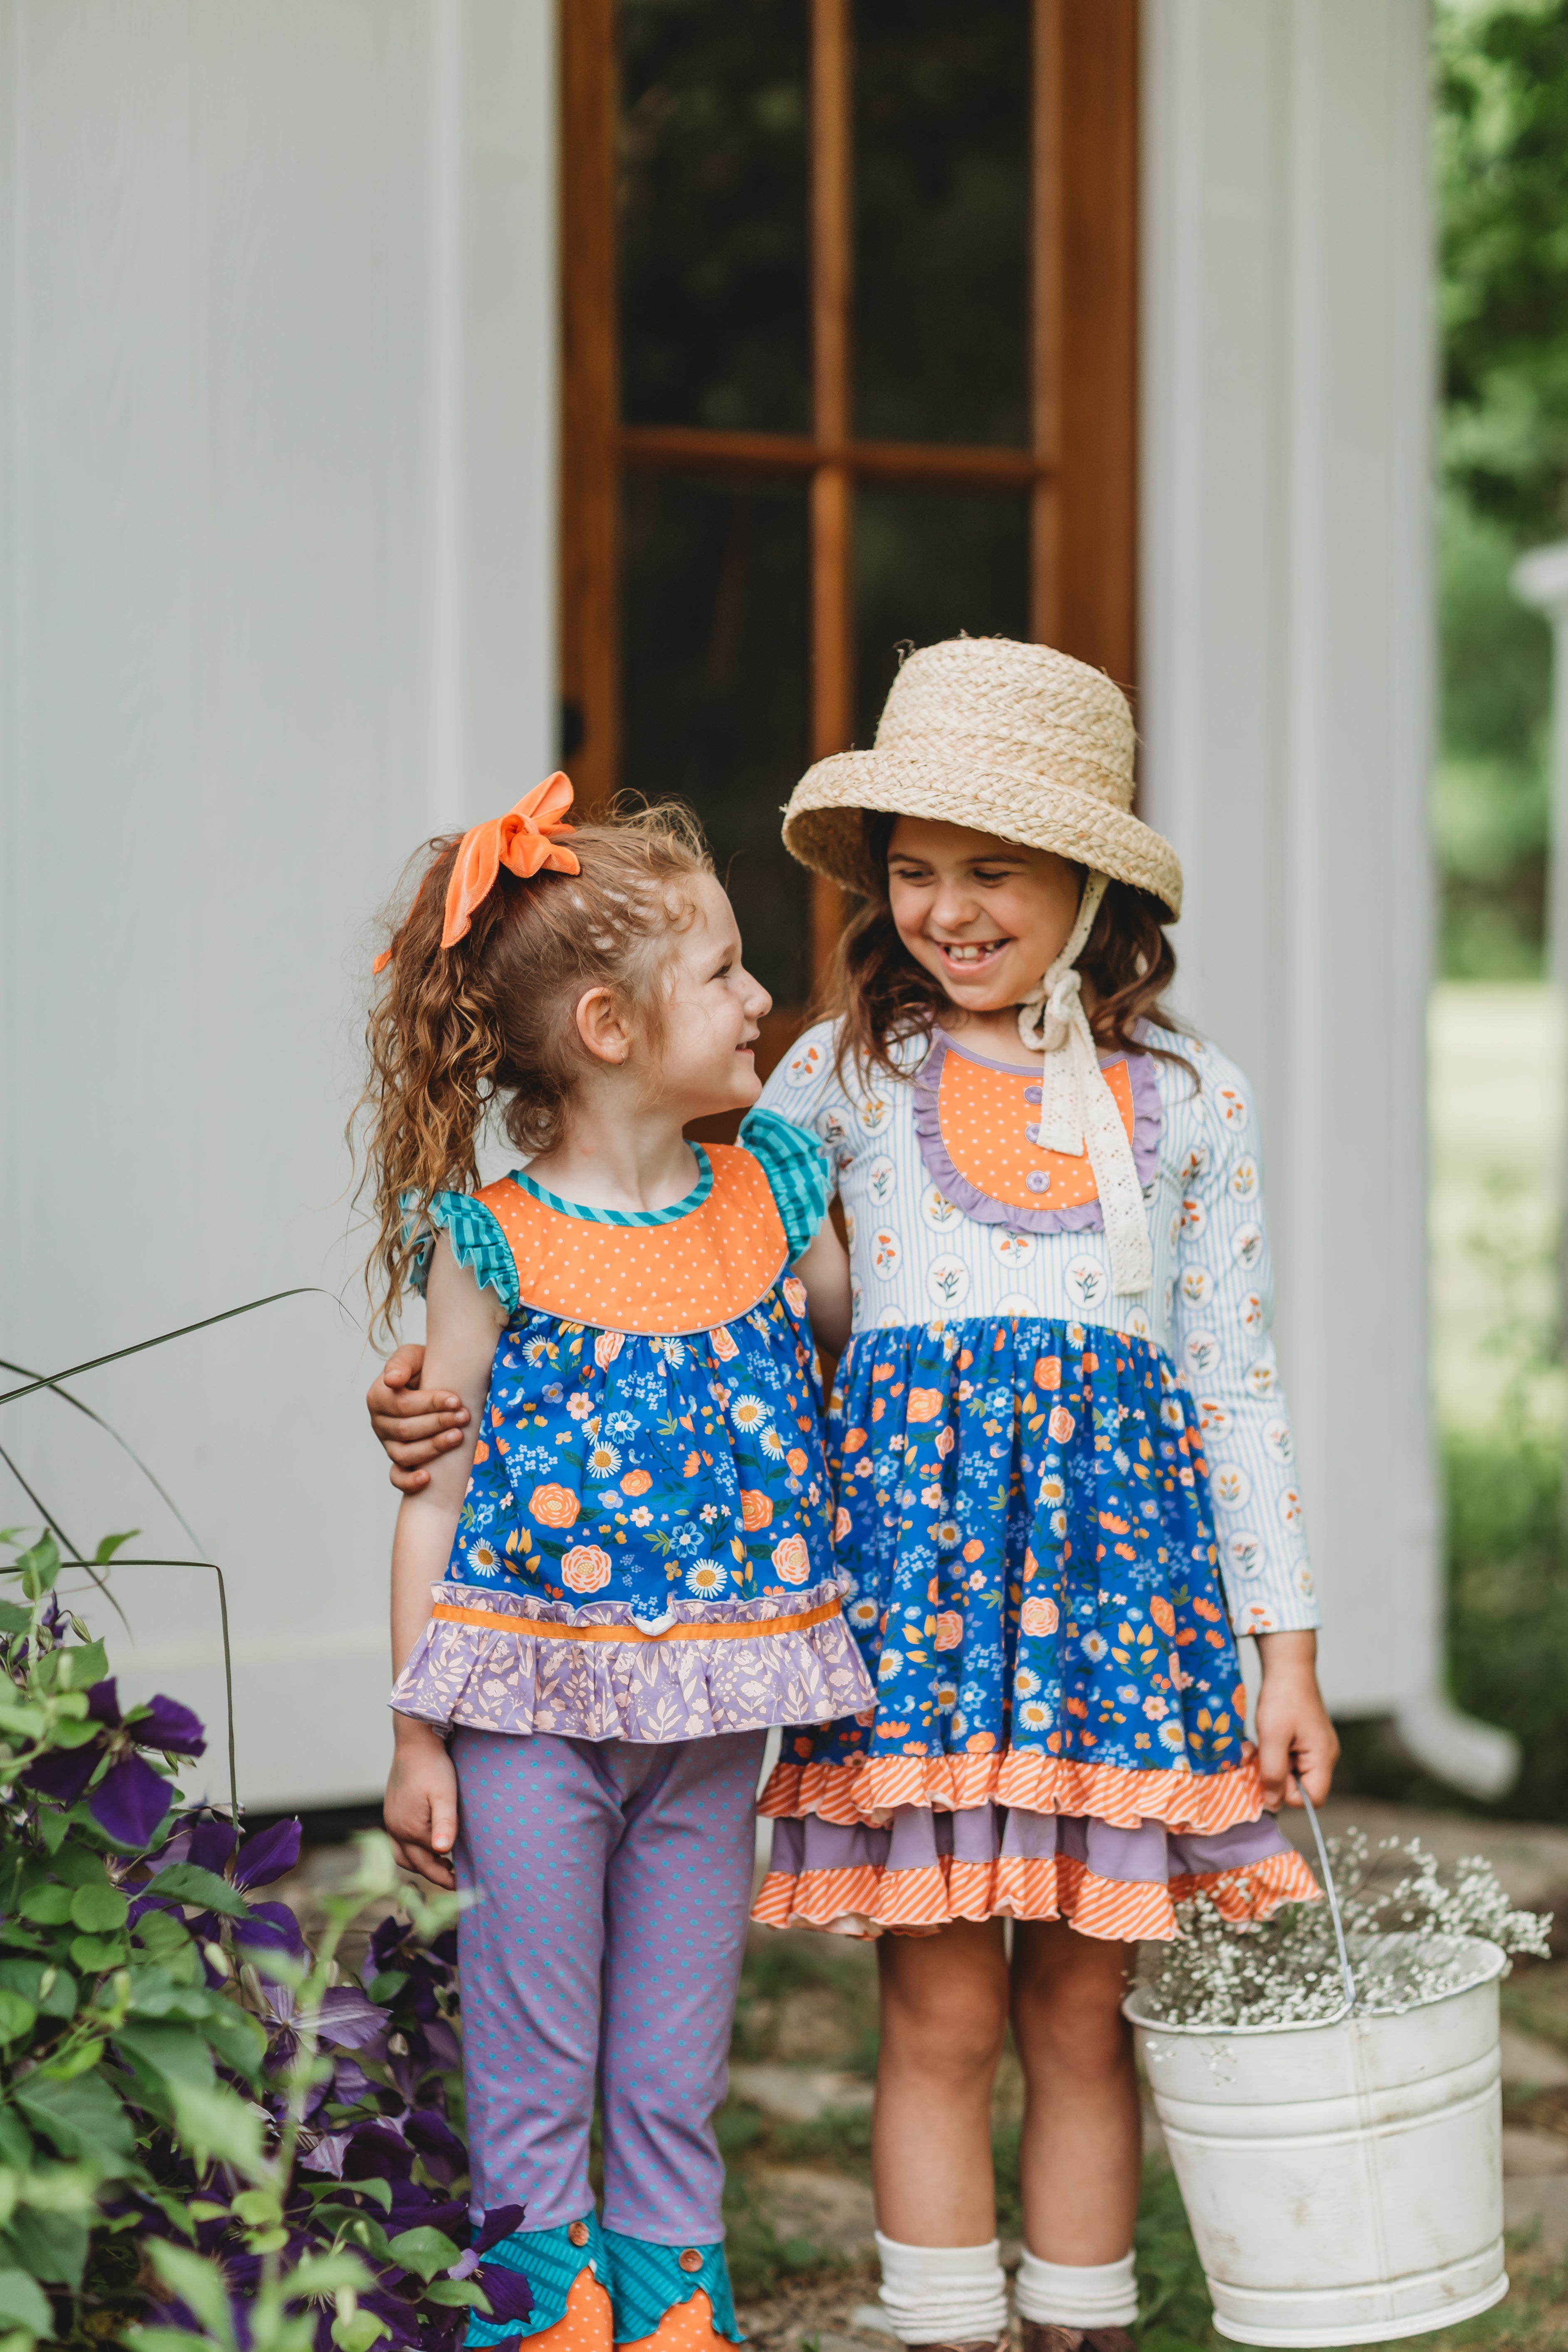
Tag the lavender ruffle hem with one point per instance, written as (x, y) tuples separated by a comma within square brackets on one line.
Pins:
[(918, 1836), (495, 1678), (1147, 1118)]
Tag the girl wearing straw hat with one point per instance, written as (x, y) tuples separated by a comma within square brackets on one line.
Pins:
[(1063, 1469)]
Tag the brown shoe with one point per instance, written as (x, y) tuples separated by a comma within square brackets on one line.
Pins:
[(1042, 2336)]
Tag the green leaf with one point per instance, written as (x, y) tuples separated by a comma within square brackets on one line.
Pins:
[(83, 2118), (17, 2015), (239, 2039), (456, 2290), (109, 1545), (49, 1905), (424, 2250), (14, 1618), (95, 1954), (39, 1566), (56, 1994), (186, 1882), (213, 2121), (327, 2274), (358, 2333), (53, 2246), (15, 2141), (75, 2062), (23, 2304), (81, 1668), (385, 1988), (98, 1909), (166, 2051), (198, 2284), (26, 1977)]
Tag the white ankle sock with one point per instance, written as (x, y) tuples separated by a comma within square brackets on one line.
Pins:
[(1073, 2294), (943, 2295)]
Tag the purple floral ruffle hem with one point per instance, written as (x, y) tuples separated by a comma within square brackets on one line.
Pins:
[(1148, 1118), (493, 1678)]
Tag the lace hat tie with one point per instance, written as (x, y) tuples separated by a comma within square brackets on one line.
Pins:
[(1077, 1109)]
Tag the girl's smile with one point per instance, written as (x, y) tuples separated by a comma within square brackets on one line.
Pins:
[(985, 917)]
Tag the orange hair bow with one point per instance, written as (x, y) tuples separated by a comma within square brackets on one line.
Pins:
[(521, 841)]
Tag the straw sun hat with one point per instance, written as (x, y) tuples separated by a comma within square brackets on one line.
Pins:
[(1012, 739)]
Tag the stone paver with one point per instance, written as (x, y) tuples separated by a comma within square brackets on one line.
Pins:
[(799, 2094)]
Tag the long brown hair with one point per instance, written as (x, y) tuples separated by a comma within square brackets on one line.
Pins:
[(489, 1021), (883, 997)]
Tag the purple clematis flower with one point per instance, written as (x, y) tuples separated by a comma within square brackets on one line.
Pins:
[(509, 2296), (132, 1798)]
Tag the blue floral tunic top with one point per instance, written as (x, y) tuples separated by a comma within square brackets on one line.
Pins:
[(644, 1551)]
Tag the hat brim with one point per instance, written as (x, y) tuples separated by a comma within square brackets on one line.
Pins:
[(822, 825)]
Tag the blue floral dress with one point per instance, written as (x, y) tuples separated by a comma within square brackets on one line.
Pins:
[(1046, 1497), (644, 1551)]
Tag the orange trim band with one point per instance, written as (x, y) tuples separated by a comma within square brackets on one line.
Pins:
[(866, 1900), (505, 1621), (868, 1788)]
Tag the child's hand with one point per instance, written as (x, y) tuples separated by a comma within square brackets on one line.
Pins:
[(414, 1428), (1294, 1732), (421, 1808)]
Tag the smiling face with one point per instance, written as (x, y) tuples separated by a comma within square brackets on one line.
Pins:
[(714, 1010), (984, 915)]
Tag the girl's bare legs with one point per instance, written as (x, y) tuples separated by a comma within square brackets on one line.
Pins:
[(944, 2014), (1082, 2151)]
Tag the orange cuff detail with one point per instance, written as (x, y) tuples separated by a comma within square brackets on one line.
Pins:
[(684, 2328), (585, 2325)]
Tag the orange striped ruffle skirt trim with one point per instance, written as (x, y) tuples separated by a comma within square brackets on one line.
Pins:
[(547, 1629), (864, 1900), (867, 1789)]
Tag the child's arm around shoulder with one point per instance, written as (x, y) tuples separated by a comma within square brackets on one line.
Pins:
[(462, 1325)]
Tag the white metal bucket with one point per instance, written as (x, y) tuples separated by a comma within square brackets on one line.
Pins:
[(1343, 2181)]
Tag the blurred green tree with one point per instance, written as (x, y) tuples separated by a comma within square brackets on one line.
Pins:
[(1501, 121)]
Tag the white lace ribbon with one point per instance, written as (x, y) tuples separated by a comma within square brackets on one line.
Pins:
[(1076, 1106)]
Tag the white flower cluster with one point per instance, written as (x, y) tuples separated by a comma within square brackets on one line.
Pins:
[(1402, 1932)]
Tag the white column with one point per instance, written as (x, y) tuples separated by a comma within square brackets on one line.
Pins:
[(1288, 670), (278, 293)]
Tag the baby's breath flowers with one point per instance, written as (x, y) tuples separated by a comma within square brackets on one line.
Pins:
[(1411, 1939)]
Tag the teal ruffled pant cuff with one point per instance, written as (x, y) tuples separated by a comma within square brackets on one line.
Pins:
[(551, 2265), (647, 2281), (644, 2282)]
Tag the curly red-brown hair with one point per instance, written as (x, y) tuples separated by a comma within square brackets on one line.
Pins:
[(882, 998), (488, 1022)]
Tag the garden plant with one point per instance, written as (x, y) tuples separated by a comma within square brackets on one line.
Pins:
[(211, 2131)]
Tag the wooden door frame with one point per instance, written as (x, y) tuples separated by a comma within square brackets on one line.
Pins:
[(1081, 468)]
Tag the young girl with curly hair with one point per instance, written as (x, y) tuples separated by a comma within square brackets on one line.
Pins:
[(628, 1551)]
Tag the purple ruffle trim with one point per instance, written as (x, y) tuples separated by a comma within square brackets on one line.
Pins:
[(490, 1678), (1148, 1119), (918, 1836)]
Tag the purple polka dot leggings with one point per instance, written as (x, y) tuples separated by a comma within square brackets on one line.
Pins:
[(613, 1883)]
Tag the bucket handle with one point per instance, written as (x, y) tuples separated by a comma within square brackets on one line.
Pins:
[(1331, 1892)]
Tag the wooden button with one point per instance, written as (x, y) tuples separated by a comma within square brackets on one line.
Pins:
[(578, 2232), (692, 2260)]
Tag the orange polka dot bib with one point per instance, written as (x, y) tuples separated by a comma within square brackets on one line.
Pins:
[(704, 1262)]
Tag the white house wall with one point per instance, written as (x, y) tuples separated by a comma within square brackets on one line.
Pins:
[(1286, 711), (277, 546)]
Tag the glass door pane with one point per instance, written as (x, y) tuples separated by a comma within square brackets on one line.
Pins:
[(713, 229), (941, 221), (714, 614)]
